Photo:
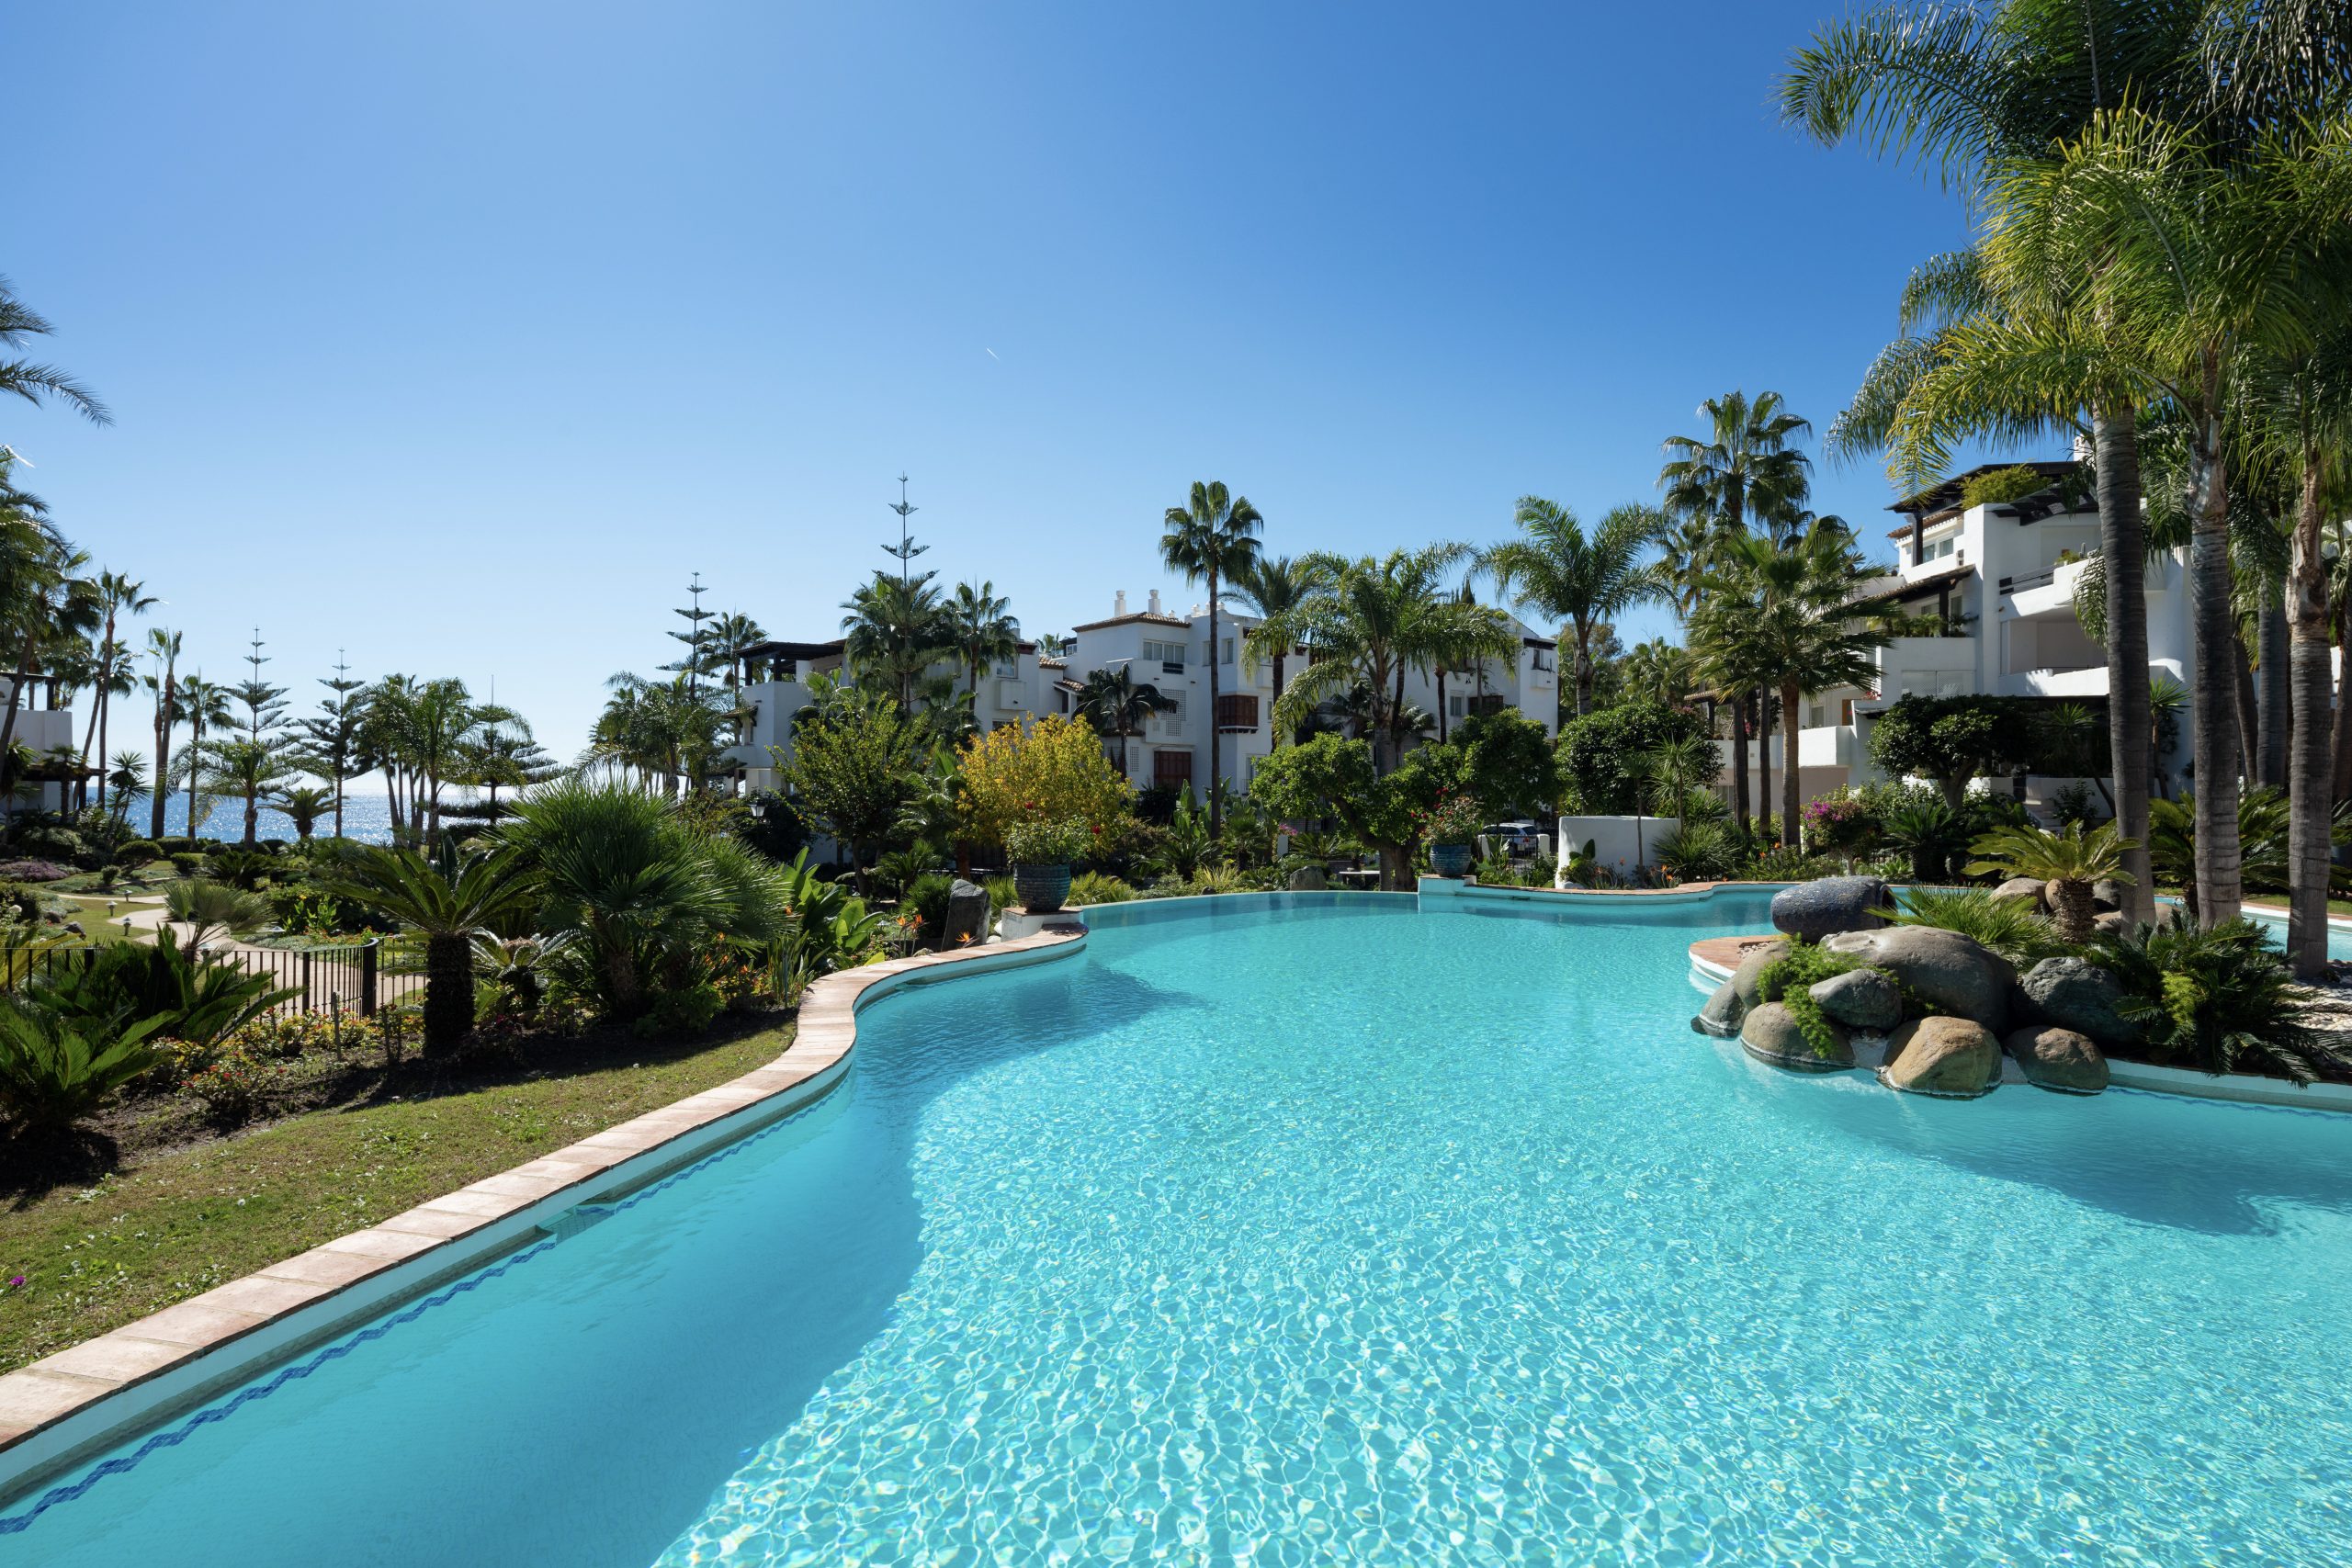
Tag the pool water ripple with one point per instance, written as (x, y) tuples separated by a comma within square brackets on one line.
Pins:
[(1352, 1237)]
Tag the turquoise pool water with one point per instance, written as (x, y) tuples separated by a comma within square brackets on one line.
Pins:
[(1344, 1236)]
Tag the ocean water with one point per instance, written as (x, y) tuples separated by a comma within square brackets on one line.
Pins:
[(1341, 1235), (366, 816)]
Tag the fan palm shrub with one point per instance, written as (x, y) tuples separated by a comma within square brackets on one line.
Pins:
[(1932, 833), (2069, 860), (209, 909), (448, 900), (1697, 851)]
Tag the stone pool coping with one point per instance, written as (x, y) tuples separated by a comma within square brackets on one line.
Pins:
[(68, 1407)]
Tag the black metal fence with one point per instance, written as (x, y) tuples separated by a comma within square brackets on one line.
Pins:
[(344, 977)]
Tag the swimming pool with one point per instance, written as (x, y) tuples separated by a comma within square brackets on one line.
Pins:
[(1342, 1234)]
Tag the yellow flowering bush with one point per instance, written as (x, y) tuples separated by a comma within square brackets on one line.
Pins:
[(1053, 772)]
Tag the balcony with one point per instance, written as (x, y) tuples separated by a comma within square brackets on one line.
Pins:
[(1237, 713)]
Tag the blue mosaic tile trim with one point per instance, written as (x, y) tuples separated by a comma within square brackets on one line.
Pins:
[(16, 1524)]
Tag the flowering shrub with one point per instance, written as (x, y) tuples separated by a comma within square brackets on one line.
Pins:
[(229, 1078), (1838, 822), (1455, 817), (1054, 772), (1041, 842)]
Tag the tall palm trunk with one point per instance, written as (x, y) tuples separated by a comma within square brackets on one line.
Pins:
[(2308, 794), (2342, 790), (1789, 782), (1584, 668), (2249, 740), (2271, 683), (1273, 729), (448, 991), (2130, 722), (1739, 760), (2219, 886), (1440, 703), (165, 702), (16, 701), (1217, 747), (195, 765), (1763, 757)]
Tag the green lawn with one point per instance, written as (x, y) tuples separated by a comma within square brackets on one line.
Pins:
[(176, 1224)]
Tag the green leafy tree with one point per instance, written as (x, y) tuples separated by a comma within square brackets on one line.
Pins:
[(855, 767), (1327, 777), (1601, 754), (1947, 740)]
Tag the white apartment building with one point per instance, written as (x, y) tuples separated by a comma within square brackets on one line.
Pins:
[(44, 727), (1992, 587), (1168, 651)]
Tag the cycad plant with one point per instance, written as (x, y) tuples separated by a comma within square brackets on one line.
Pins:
[(1932, 833), (2214, 996), (2010, 927), (54, 1071), (448, 899), (2070, 861)]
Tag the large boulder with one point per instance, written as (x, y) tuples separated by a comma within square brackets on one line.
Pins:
[(966, 921), (2022, 889), (1721, 1017), (1769, 1033), (2107, 893), (2074, 993), (1951, 1057), (1812, 910), (2059, 1059), (1309, 879), (1747, 980), (1954, 973), (2110, 920), (1861, 998)]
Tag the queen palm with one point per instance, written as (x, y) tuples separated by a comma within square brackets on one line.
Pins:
[(1210, 539), (1743, 467), (1272, 588), (1784, 613), (164, 651), (34, 382), (203, 704), (2181, 266), (249, 770), (1460, 634), (981, 627), (1368, 622), (895, 629), (1568, 576), (110, 674), (1118, 706)]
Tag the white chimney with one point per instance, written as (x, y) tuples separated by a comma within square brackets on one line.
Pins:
[(1155, 602), (1119, 605)]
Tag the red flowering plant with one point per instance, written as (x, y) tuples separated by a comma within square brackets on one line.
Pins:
[(1453, 818)]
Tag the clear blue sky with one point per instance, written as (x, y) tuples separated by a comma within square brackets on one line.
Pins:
[(457, 336)]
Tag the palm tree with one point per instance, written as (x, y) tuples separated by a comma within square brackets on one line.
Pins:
[(110, 675), (1660, 672), (1742, 468), (1458, 633), (1368, 621), (1783, 613), (447, 900), (35, 383), (45, 603), (164, 650), (214, 908), (2191, 265), (1583, 581), (202, 703), (127, 782), (2070, 861), (303, 806), (2303, 404), (248, 769), (982, 629), (1118, 706), (1274, 589), (1962, 88), (896, 629), (1211, 539)]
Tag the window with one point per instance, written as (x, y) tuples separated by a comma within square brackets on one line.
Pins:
[(1456, 705), (1169, 655), (1172, 767), (1237, 710), (1008, 668), (1539, 659), (1228, 659)]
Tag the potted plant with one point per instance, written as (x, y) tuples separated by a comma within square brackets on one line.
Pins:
[(1449, 824), (1041, 853)]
